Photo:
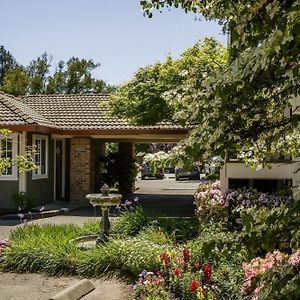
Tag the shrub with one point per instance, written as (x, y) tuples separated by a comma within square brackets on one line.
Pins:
[(42, 249), (274, 277), (23, 201), (266, 229), (129, 256), (209, 203), (181, 229), (131, 222), (212, 204)]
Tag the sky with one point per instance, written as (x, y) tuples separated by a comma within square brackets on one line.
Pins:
[(112, 32)]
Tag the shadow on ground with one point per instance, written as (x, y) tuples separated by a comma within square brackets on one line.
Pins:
[(167, 205)]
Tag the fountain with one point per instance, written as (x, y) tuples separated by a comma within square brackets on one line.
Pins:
[(104, 200)]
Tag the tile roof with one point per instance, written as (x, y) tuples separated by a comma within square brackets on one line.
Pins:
[(14, 112), (81, 112)]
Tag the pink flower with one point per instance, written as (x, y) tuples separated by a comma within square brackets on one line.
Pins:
[(294, 259)]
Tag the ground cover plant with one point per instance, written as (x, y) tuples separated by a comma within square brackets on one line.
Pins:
[(178, 258)]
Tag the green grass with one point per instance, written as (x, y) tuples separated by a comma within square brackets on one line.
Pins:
[(135, 244)]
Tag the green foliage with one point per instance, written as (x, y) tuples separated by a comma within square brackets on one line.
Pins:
[(41, 249), (7, 62), (23, 201), (180, 229), (276, 276), (213, 176), (131, 222), (71, 77), (216, 243), (143, 99), (155, 235), (260, 82), (266, 229), (16, 81), (24, 162)]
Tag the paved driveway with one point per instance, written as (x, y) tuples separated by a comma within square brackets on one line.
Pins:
[(168, 197)]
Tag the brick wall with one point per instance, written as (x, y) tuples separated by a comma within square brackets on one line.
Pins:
[(80, 169)]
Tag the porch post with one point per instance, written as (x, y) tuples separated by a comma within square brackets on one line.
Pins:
[(22, 150), (80, 169), (127, 150)]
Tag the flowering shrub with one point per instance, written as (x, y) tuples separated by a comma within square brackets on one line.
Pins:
[(274, 277), (209, 202), (213, 205), (179, 277)]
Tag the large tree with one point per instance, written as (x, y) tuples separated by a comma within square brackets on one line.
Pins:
[(73, 77), (242, 109), (148, 97), (7, 62)]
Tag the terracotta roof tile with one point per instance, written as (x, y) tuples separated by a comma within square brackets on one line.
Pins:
[(14, 112), (83, 112)]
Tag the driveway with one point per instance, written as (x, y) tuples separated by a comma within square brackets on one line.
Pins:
[(167, 197)]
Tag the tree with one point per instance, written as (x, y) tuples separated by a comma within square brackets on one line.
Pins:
[(73, 77), (241, 110), (38, 71), (147, 98), (16, 81), (7, 62)]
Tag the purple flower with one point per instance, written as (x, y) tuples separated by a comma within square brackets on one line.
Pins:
[(21, 216), (143, 273), (135, 199), (128, 203)]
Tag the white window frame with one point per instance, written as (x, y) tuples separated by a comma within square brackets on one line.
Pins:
[(36, 174), (14, 175)]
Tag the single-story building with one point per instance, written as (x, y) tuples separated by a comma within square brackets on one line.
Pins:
[(69, 132)]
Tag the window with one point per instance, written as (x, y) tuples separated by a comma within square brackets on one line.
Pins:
[(40, 142), (8, 149)]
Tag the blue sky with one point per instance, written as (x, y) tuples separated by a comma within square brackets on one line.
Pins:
[(112, 32)]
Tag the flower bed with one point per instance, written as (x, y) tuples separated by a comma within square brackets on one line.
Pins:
[(212, 204)]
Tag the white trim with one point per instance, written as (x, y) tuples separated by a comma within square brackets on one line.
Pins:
[(36, 137), (14, 176), (22, 150)]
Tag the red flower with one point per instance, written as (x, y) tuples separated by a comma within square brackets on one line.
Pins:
[(186, 255), (197, 265), (204, 292), (157, 273), (207, 272), (177, 271), (194, 285), (165, 257)]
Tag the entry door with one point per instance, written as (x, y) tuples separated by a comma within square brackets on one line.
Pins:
[(59, 184)]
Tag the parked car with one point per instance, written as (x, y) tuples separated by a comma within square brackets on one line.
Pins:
[(193, 173), (146, 172)]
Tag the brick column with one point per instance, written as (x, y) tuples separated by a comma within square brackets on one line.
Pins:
[(80, 169)]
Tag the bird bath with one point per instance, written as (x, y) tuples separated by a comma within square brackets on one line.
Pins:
[(104, 201)]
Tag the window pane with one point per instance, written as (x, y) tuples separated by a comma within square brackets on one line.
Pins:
[(6, 152), (43, 156)]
